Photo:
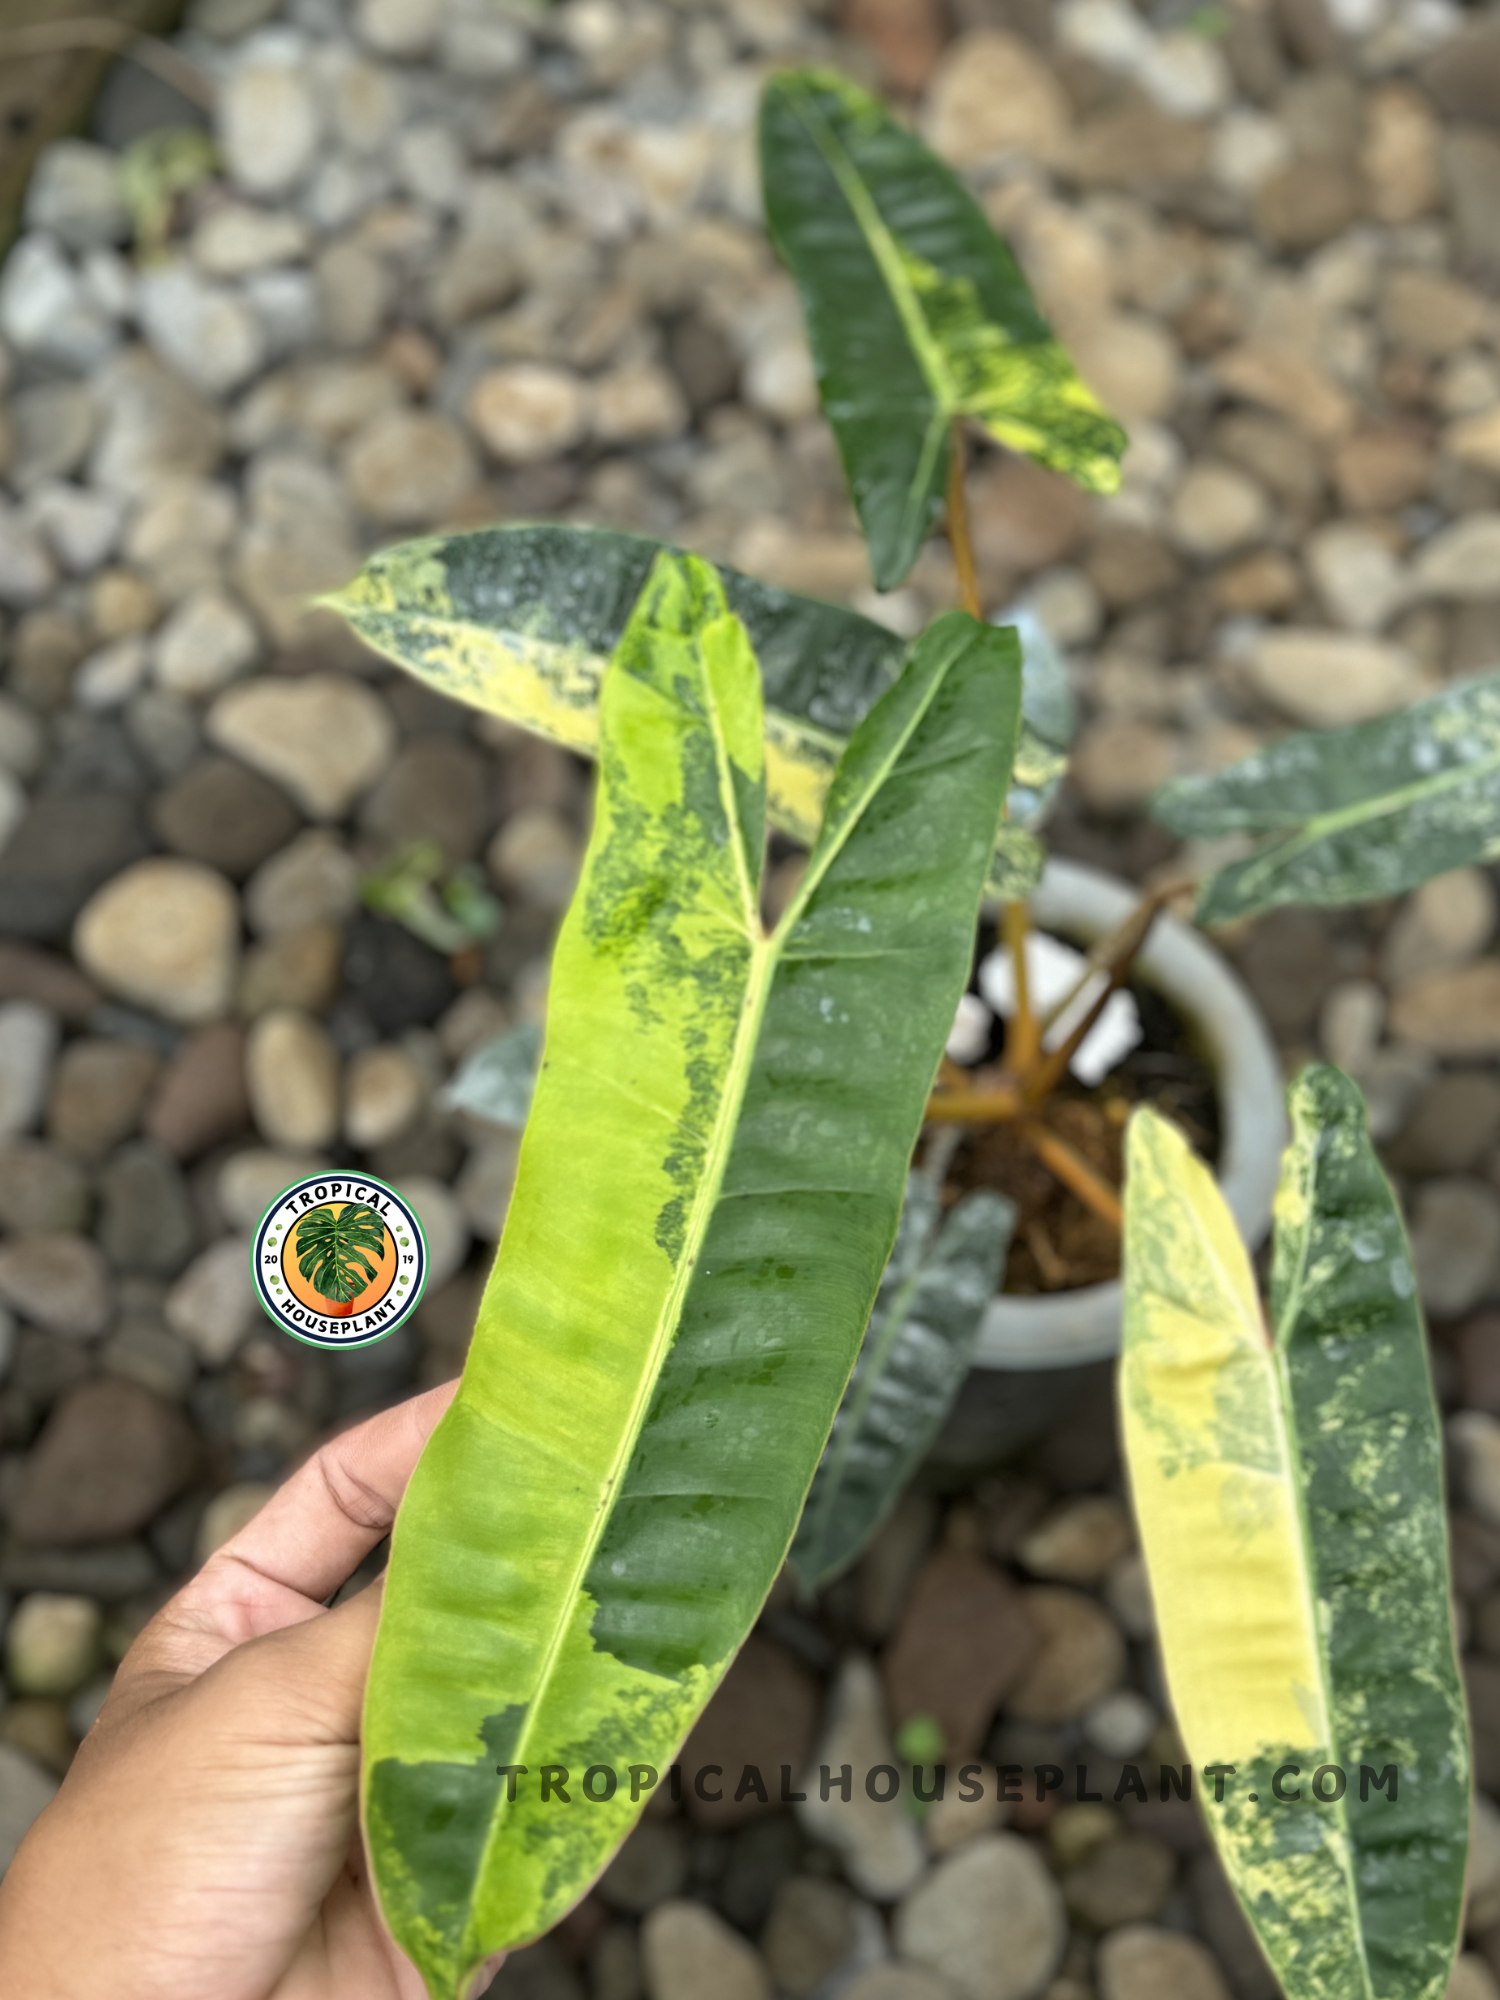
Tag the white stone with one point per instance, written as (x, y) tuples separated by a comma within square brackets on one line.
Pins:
[(779, 378), (164, 935), (537, 855), (399, 27), (689, 1951), (1461, 561), (1350, 1023), (1187, 75), (1068, 604), (879, 1845), (528, 412), (1360, 581), (384, 1090), (430, 166), (27, 572), (992, 94), (1474, 1438), (108, 678), (80, 524), (28, 1043), (1217, 508), (1248, 147), (285, 304), (268, 126), (969, 1037), (249, 1181), (203, 330), (212, 1306), (292, 1076), (207, 640), (75, 195), (443, 1226), (365, 101), (989, 1919), (1053, 969), (45, 309), (479, 42), (1122, 1724), (638, 404), (324, 738), (236, 239), (1328, 678), (52, 1644), (1144, 1962)]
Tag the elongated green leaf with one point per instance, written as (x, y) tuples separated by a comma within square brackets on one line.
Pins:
[(498, 1079), (912, 1363), (707, 1193), (1289, 1496), (916, 311), (1357, 813), (521, 621)]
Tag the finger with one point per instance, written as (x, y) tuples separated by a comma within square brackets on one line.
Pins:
[(299, 1686), (314, 1531), (308, 1539)]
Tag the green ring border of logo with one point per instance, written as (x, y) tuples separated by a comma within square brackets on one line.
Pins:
[(370, 1339)]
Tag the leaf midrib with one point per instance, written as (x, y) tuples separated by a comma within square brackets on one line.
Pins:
[(766, 955)]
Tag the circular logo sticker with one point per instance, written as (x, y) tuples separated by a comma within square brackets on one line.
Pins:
[(339, 1260)]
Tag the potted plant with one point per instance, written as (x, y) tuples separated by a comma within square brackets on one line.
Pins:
[(702, 1273)]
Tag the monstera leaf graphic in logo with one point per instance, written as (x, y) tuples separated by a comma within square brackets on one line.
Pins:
[(331, 1251)]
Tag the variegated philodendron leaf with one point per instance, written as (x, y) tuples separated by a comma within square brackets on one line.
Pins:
[(1354, 814), (916, 311), (912, 1362), (521, 621), (706, 1195), (1288, 1488)]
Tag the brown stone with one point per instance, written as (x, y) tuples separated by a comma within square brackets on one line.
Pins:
[(1136, 145), (1024, 517), (1463, 76), (201, 1097), (300, 968), (1124, 1881), (1477, 1347), (1128, 564), (1476, 1555), (963, 1642), (1454, 1013), (1382, 468), (221, 812), (1262, 584), (1080, 1659), (1482, 1678), (29, 973), (98, 1093), (764, 1714), (1430, 313), (1307, 203), (110, 1458), (1280, 379), (907, 37)]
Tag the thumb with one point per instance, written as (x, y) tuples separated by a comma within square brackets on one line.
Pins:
[(305, 1683)]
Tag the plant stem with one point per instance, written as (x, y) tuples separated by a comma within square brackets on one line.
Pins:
[(975, 1107), (1119, 956), (1023, 1036), (958, 524), (1073, 1171)]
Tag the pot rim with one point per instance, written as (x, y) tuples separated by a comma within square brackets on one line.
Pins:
[(1067, 1329)]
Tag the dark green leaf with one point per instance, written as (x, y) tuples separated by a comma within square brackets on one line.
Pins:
[(916, 311), (331, 1243), (911, 1366), (1356, 814)]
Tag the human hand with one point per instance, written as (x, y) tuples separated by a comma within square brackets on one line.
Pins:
[(205, 1844)]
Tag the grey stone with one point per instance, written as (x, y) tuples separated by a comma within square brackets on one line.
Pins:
[(268, 123), (438, 790), (52, 427), (27, 571), (206, 332), (80, 526), (809, 1933), (25, 1790), (223, 814), (146, 1217), (1141, 1962), (880, 1848), (46, 311), (988, 1918), (28, 1044), (1455, 1245), (1471, 166), (58, 1281), (1455, 1123), (152, 423), (292, 1073), (110, 1458), (206, 642), (409, 468), (41, 1190), (687, 1952), (651, 1867), (75, 195), (99, 1094), (313, 880), (201, 1099), (212, 1307)]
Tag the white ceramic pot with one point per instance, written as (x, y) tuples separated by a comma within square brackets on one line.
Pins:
[(1062, 1329)]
